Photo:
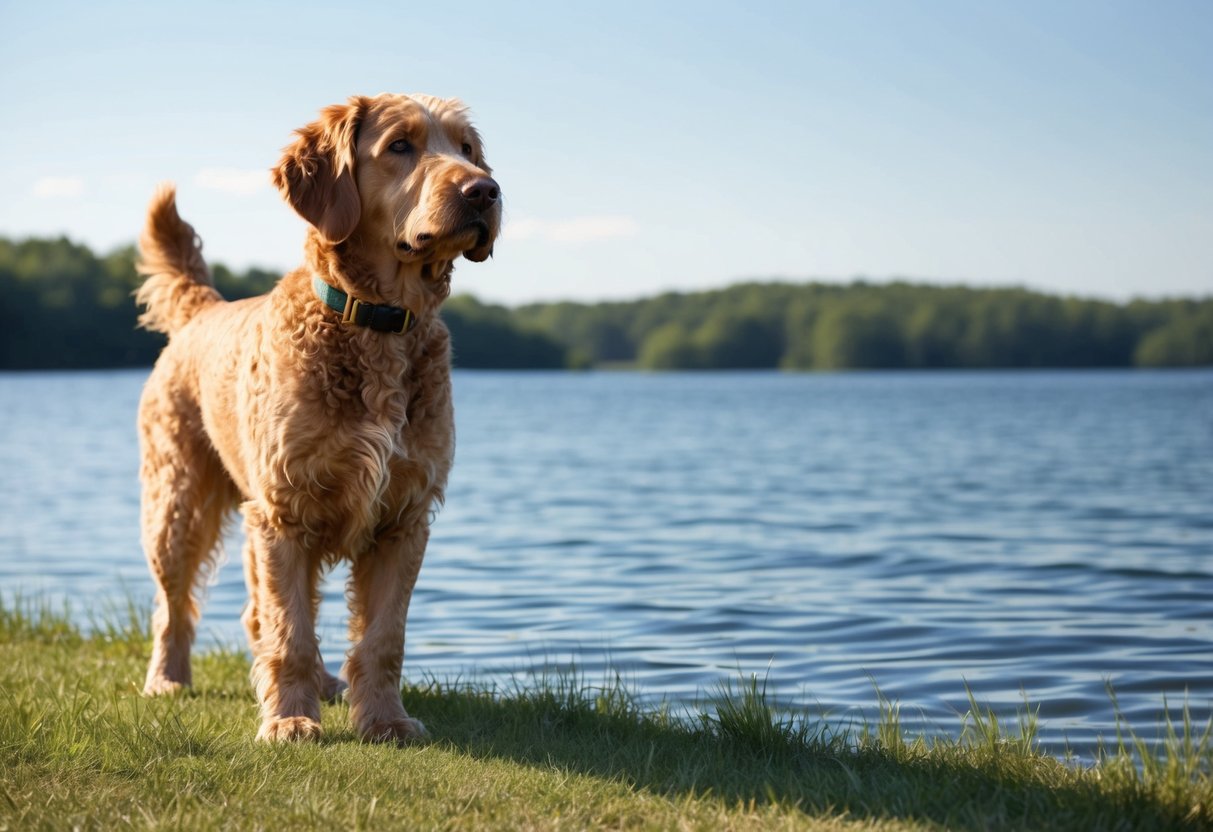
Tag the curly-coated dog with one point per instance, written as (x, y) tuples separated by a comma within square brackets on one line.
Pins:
[(322, 409)]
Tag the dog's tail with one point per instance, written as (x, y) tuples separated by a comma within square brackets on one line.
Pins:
[(178, 284)]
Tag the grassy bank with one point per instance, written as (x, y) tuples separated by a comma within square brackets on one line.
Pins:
[(80, 748)]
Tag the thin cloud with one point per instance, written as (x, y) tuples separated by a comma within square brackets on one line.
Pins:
[(232, 180), (58, 187), (572, 230)]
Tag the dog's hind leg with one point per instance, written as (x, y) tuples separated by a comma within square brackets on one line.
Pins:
[(186, 495)]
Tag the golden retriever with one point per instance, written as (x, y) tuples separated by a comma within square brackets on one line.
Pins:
[(323, 409)]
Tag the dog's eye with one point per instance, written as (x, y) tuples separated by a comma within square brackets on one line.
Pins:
[(467, 150), (400, 146)]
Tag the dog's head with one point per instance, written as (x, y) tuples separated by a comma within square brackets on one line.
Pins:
[(404, 172)]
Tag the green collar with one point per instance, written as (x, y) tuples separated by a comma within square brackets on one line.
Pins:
[(379, 317)]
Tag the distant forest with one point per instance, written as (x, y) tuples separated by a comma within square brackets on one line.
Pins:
[(62, 306)]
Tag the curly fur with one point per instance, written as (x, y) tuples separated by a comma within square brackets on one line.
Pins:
[(178, 284), (334, 441)]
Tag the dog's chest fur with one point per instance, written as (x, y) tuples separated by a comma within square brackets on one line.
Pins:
[(371, 451)]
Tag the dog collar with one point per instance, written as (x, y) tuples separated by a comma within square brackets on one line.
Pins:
[(377, 316)]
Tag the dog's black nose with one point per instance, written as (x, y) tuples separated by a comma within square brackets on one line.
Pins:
[(482, 192)]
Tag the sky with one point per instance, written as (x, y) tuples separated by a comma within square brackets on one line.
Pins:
[(644, 147)]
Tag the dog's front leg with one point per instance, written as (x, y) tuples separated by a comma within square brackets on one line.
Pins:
[(331, 688), (286, 662), (381, 585)]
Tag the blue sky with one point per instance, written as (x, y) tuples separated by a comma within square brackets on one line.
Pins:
[(1066, 146)]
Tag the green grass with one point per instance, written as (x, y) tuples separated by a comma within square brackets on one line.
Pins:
[(80, 748)]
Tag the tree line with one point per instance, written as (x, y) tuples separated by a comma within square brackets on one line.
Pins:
[(62, 306), (824, 326)]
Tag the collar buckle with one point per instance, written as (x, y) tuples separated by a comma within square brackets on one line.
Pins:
[(349, 315), (406, 322)]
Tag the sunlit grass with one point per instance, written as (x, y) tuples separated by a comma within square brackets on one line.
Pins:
[(79, 747)]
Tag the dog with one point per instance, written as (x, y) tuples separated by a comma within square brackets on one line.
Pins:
[(321, 409)]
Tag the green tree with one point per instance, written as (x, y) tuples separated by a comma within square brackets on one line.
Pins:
[(857, 336), (485, 337), (738, 341), (670, 347), (1186, 341)]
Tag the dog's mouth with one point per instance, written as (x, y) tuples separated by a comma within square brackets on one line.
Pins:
[(474, 240), (482, 232)]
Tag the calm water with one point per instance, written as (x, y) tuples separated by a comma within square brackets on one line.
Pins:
[(1034, 531)]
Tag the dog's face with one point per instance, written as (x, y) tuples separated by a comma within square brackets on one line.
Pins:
[(404, 172)]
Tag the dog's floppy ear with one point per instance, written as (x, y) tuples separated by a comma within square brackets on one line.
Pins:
[(316, 174)]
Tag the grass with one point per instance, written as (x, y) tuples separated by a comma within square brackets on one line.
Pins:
[(80, 748)]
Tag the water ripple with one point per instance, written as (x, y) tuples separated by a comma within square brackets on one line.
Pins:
[(1046, 533)]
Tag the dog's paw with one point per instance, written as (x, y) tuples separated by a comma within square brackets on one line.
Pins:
[(289, 729), (332, 688), (400, 731), (160, 686)]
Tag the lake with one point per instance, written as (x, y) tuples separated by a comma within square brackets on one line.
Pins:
[(1039, 531)]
